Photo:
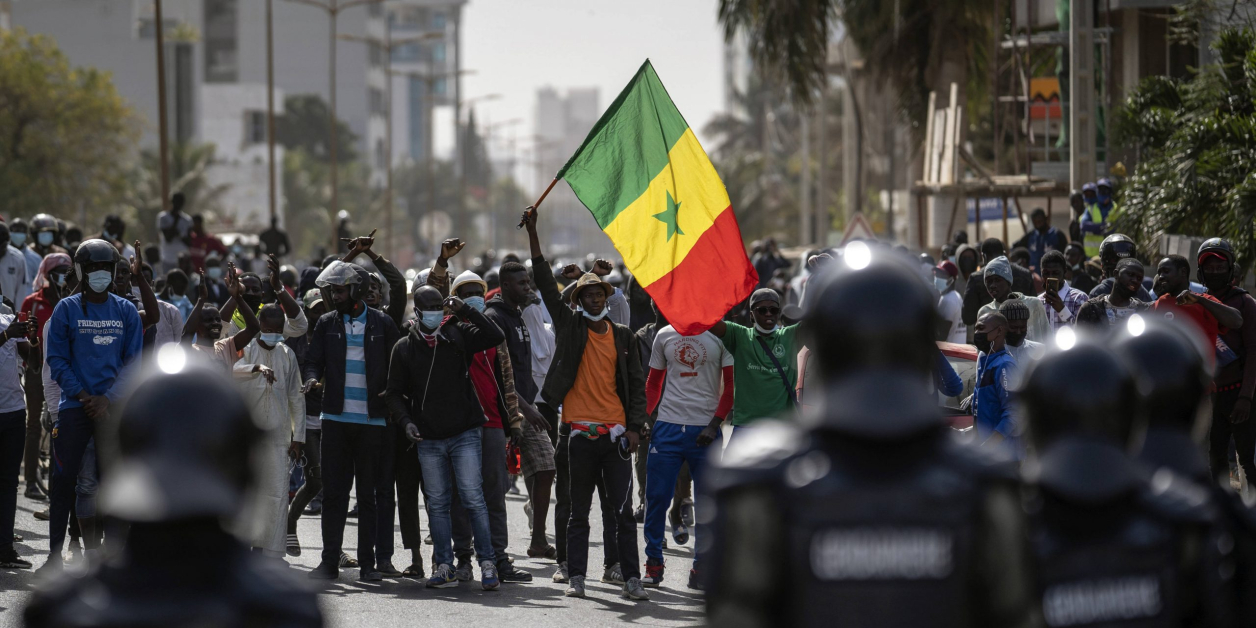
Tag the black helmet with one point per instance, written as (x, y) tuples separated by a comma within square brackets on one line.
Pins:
[(869, 324), (43, 222), (1170, 370), (1115, 248), (179, 465), (91, 252), (341, 273), (1216, 246)]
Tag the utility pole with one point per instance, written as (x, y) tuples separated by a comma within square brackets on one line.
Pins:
[(270, 102), (163, 140), (804, 193), (1082, 92)]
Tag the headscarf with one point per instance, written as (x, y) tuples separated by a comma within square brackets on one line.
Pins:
[(53, 260)]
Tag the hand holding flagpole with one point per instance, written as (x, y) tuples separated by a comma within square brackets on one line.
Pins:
[(532, 207)]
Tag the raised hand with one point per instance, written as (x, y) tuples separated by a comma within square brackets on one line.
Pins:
[(137, 266), (602, 268), (233, 281), (202, 290), (273, 265), (451, 247), (572, 271)]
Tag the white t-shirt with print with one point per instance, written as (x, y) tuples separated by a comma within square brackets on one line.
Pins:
[(691, 390)]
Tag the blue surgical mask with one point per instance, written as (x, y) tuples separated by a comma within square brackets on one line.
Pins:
[(475, 302), (59, 279), (17, 238), (44, 238), (108, 236), (940, 284), (431, 320), (271, 339), (214, 272), (99, 280), (1104, 198), (951, 259)]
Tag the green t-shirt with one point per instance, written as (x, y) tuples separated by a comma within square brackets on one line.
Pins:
[(757, 388)]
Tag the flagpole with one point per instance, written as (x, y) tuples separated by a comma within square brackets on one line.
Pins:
[(532, 207)]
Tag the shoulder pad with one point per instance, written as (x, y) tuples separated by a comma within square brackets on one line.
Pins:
[(983, 463), (757, 454), (1178, 499)]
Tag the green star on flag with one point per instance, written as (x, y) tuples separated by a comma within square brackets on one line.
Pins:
[(668, 217)]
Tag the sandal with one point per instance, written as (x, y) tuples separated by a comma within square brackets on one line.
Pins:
[(543, 552), (413, 571)]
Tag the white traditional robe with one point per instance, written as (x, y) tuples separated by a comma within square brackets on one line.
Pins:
[(279, 409)]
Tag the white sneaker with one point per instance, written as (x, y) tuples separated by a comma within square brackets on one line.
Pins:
[(634, 591), (576, 588), (560, 576)]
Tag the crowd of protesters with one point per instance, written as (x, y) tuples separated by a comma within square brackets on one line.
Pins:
[(376, 392)]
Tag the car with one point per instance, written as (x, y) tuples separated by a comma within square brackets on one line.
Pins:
[(962, 358)]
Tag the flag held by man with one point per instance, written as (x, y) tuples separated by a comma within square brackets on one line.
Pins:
[(652, 189)]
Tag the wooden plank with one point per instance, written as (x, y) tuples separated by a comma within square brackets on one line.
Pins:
[(947, 174), (933, 99)]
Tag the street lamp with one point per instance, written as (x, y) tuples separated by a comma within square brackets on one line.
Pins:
[(333, 9), (386, 45), (162, 141)]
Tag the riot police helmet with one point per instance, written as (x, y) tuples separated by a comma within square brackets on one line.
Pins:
[(1170, 371)]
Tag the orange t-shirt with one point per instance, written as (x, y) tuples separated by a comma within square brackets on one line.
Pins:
[(593, 399)]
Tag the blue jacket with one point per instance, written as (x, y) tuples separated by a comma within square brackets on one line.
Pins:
[(89, 351), (945, 379), (992, 408), (1039, 243)]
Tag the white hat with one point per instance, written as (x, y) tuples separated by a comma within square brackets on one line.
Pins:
[(465, 278)]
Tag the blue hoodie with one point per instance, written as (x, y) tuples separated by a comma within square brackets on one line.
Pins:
[(90, 351), (992, 408)]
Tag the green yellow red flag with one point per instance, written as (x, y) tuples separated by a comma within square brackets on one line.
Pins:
[(645, 178)]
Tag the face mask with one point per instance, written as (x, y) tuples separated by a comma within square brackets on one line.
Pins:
[(597, 317), (475, 302), (99, 280), (431, 320), (1015, 339), (1104, 198), (981, 342), (59, 279), (178, 298), (941, 284), (763, 330), (1215, 282), (968, 265), (18, 239), (271, 339), (44, 238), (108, 236), (214, 272), (950, 258)]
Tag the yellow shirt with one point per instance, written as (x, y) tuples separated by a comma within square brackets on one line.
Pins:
[(593, 399)]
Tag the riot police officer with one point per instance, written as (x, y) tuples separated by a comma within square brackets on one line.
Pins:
[(866, 512), (178, 477), (1110, 544), (1170, 363)]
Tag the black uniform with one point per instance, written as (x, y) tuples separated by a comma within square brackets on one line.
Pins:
[(867, 513)]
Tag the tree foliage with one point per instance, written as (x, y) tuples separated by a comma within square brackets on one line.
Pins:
[(786, 37), (1197, 143), (303, 125), (66, 136), (188, 166)]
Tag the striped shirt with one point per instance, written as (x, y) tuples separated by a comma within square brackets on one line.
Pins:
[(1073, 300), (355, 409)]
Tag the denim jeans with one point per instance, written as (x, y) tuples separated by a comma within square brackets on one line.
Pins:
[(88, 481), (495, 482), (446, 462), (12, 441), (70, 437), (671, 445)]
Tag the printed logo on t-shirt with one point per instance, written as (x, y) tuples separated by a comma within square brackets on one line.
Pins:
[(102, 332), (1168, 316), (778, 350)]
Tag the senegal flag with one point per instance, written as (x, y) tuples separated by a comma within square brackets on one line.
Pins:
[(652, 189)]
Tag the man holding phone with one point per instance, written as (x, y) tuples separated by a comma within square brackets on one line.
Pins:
[(1061, 301)]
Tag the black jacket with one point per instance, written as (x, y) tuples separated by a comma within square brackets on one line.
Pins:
[(571, 333), (431, 387), (510, 321), (976, 295), (325, 359)]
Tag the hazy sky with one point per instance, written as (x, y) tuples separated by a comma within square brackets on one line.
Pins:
[(517, 46)]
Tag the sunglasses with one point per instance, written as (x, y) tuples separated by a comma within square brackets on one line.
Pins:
[(767, 311)]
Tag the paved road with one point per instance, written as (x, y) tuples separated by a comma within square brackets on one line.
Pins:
[(347, 602)]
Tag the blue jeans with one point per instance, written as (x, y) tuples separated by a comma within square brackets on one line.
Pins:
[(444, 462), (88, 480), (70, 437), (671, 445)]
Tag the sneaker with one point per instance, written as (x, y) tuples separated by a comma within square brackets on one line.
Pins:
[(506, 572), (653, 574), (10, 560), (347, 561), (17, 538), (680, 532), (488, 576), (634, 591), (442, 578), (43, 515), (370, 575), (33, 492), (293, 545), (465, 572), (427, 540), (514, 485), (74, 551), (560, 576), (576, 587), (325, 571), (613, 575), (353, 512), (639, 514), (387, 570), (686, 513), (53, 565), (695, 582), (314, 509)]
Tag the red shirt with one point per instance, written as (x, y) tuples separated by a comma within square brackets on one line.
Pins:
[(201, 246), (1204, 321), (39, 308), (484, 378)]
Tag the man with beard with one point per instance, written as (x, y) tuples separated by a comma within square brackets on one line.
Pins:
[(1110, 309)]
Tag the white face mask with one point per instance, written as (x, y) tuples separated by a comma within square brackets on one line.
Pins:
[(593, 317), (941, 284), (762, 330)]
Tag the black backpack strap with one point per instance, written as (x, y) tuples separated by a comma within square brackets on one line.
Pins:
[(793, 397)]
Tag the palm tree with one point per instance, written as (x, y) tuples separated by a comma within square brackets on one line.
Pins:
[(188, 165)]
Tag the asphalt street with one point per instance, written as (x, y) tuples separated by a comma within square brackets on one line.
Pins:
[(347, 602)]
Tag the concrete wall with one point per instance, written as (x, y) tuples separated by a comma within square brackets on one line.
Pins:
[(238, 162)]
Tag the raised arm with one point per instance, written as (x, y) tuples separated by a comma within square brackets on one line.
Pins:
[(194, 317), (251, 326), (480, 334), (152, 311)]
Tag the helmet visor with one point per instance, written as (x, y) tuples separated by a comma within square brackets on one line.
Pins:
[(338, 273)]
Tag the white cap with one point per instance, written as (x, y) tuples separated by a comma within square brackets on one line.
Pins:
[(465, 278)]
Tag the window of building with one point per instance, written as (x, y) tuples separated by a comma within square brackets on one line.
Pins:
[(438, 87), (438, 21), (374, 55), (381, 156), (221, 56), (376, 98), (438, 52), (254, 127), (145, 27), (406, 53)]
